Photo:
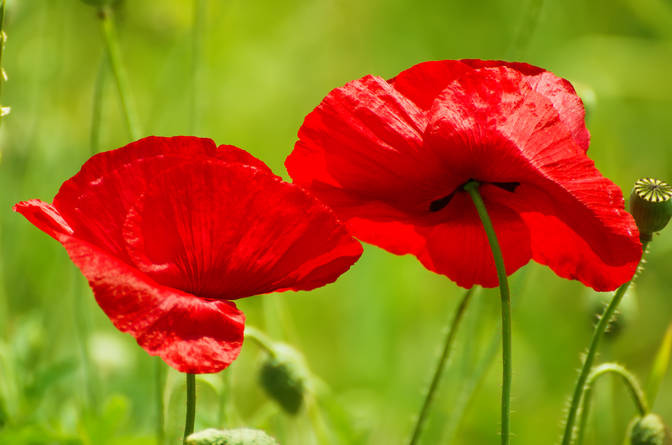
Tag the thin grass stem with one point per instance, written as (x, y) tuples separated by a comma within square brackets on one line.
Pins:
[(628, 379), (197, 31), (118, 71), (440, 365)]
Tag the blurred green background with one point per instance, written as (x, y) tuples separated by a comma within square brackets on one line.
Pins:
[(373, 336)]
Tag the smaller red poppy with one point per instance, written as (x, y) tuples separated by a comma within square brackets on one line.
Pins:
[(169, 230), (391, 158)]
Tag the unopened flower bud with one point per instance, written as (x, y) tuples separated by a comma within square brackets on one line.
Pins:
[(649, 430), (622, 318), (284, 377), (238, 436), (651, 206)]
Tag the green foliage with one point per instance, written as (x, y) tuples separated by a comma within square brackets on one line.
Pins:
[(373, 334), (660, 365)]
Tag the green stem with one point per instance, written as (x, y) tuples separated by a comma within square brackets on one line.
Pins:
[(97, 107), (191, 406), (82, 329), (3, 38), (438, 371), (260, 339), (469, 389), (317, 421), (159, 382), (474, 376), (627, 377), (223, 418), (2, 32), (472, 188), (198, 25), (601, 326), (114, 57), (527, 28)]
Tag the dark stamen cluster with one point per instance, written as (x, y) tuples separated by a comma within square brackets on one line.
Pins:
[(441, 203)]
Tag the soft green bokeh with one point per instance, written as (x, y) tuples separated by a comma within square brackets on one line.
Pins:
[(373, 336)]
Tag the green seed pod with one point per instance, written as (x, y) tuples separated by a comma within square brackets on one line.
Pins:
[(648, 430), (284, 377), (238, 436), (651, 206)]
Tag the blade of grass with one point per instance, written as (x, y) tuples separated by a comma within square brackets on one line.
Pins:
[(660, 365)]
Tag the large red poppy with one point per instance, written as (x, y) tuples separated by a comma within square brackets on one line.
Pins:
[(391, 157), (169, 230)]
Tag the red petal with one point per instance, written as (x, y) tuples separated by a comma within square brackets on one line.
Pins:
[(559, 91), (95, 201), (493, 127), (443, 240), (231, 153), (45, 217), (496, 123), (580, 229), (228, 231), (423, 82), (191, 334), (493, 115), (366, 138)]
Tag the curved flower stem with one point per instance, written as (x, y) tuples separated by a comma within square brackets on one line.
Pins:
[(601, 326), (630, 381), (438, 372), (472, 188), (114, 57), (260, 339), (191, 406)]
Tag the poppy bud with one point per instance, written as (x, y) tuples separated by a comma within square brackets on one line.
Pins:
[(238, 436), (651, 206), (627, 310), (284, 377), (649, 430)]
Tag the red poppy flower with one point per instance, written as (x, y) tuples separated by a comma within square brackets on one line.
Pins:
[(169, 230), (391, 157)]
